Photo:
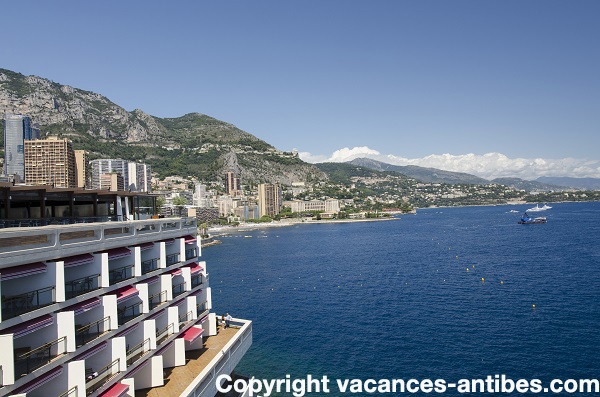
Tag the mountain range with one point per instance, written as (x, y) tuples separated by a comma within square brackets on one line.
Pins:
[(191, 145), (194, 145)]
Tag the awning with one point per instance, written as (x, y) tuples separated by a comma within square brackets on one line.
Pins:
[(84, 306), (195, 268), (118, 253), (190, 239), (89, 353), (152, 280), (29, 326), (125, 293), (127, 331), (192, 334), (117, 390), (146, 246), (168, 241), (39, 381), (175, 272), (9, 273), (78, 260)]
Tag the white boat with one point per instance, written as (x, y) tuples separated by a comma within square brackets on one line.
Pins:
[(537, 208)]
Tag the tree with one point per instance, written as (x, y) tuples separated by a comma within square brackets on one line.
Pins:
[(160, 202), (179, 202)]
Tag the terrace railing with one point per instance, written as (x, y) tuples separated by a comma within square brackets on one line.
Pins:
[(89, 332), (31, 360), (15, 305)]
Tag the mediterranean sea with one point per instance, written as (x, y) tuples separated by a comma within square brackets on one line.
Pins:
[(448, 293)]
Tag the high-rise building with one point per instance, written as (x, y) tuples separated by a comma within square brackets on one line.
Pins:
[(113, 182), (49, 162), (106, 309), (108, 166), (269, 199), (82, 169), (17, 129), (232, 184), (201, 198), (140, 178)]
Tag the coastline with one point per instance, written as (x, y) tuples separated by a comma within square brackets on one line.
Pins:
[(219, 230)]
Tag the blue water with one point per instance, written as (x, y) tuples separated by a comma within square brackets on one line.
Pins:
[(405, 298)]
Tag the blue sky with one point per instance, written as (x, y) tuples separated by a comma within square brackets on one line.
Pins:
[(403, 79)]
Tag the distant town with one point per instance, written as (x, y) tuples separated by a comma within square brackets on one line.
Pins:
[(31, 160)]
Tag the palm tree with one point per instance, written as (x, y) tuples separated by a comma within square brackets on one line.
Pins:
[(179, 202)]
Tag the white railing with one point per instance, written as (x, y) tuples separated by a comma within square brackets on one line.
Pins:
[(27, 245)]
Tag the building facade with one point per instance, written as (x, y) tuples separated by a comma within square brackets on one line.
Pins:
[(331, 206), (108, 166), (269, 199), (17, 129), (50, 162), (140, 178), (232, 184), (113, 182), (105, 309), (82, 169)]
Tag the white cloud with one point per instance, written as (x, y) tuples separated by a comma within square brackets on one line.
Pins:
[(489, 165)]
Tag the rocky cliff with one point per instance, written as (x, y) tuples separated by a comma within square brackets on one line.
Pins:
[(193, 145)]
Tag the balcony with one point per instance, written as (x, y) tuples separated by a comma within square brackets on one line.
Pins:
[(197, 279), (87, 333), (28, 360), (202, 309), (81, 286), (15, 305), (184, 318), (119, 274), (149, 265), (178, 289), (172, 259), (128, 313), (191, 254), (157, 299), (103, 375), (163, 333), (137, 351)]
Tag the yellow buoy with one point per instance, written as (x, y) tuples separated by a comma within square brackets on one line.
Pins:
[(482, 279), (533, 306), (501, 282)]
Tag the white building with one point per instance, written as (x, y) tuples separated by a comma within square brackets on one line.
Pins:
[(330, 206), (104, 308), (140, 178), (136, 176)]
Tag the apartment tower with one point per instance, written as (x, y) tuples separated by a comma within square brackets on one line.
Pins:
[(49, 162), (269, 199)]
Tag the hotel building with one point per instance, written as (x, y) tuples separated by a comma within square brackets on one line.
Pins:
[(97, 301)]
